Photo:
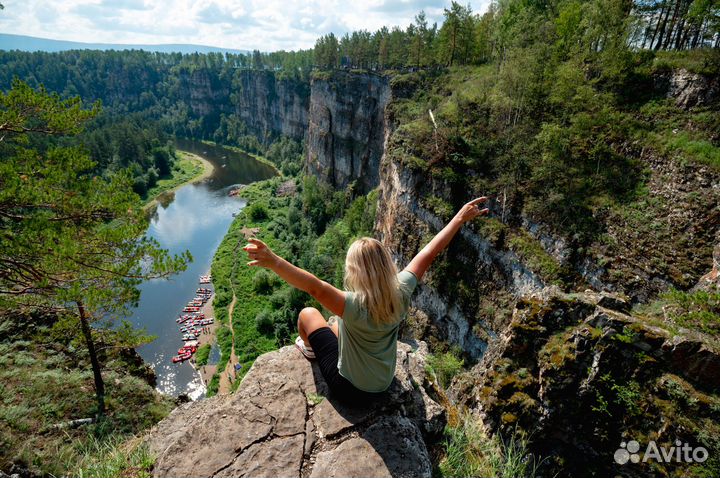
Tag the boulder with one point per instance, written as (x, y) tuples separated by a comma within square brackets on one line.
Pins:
[(282, 422)]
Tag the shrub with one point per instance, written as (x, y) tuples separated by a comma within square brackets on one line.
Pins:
[(445, 366), (264, 322), (203, 354), (264, 282), (257, 212)]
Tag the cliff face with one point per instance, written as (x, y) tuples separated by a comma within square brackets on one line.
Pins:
[(687, 88), (270, 106), (347, 128), (451, 300), (662, 241), (581, 376), (205, 93), (281, 422)]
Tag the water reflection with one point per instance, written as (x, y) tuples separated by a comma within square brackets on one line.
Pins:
[(195, 218)]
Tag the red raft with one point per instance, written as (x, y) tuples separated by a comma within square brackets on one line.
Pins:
[(181, 358)]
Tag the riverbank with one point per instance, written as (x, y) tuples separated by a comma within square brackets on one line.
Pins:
[(207, 337), (193, 169)]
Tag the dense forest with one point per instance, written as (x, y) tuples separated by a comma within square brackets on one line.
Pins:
[(549, 103)]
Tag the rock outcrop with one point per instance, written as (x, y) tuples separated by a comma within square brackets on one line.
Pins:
[(483, 275), (710, 282), (687, 88), (270, 106), (347, 128), (580, 375), (205, 93), (281, 422)]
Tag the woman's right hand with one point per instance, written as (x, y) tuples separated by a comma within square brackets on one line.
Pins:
[(472, 210), (260, 254)]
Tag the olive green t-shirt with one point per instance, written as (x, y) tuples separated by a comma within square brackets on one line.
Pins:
[(368, 348)]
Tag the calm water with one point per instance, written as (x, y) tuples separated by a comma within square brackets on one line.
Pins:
[(196, 219)]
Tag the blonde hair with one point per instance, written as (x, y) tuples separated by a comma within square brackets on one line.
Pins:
[(371, 273)]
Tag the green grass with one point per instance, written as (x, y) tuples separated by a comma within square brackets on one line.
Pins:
[(532, 253), (470, 452), (444, 367), (692, 310), (113, 457), (704, 61), (47, 381), (688, 147), (185, 169)]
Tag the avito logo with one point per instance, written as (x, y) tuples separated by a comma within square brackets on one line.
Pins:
[(681, 453)]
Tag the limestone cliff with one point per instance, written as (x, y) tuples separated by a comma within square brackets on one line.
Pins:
[(687, 88), (281, 422), (206, 94), (663, 241), (347, 128), (270, 106)]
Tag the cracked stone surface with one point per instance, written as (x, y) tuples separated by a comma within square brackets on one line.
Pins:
[(392, 446), (282, 422)]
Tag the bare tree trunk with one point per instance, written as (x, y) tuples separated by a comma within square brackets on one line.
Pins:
[(99, 383), (680, 31), (661, 30), (670, 30)]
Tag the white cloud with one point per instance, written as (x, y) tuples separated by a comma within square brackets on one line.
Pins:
[(243, 24)]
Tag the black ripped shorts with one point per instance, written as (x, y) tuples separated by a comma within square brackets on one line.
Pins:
[(324, 343)]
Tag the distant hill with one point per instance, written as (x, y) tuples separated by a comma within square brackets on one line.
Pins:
[(27, 43)]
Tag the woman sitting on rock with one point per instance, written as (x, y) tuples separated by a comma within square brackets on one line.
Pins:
[(356, 354)]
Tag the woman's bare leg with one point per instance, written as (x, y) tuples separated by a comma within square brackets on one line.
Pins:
[(309, 320), (334, 326)]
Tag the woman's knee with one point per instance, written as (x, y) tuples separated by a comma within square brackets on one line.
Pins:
[(311, 319), (309, 313)]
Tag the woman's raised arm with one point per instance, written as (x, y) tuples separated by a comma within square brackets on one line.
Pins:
[(421, 262), (330, 297)]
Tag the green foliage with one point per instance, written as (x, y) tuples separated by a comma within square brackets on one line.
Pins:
[(314, 398), (113, 457), (264, 322), (626, 397), (186, 168), (58, 242), (470, 452), (286, 154), (704, 61), (444, 367), (533, 254), (698, 310), (440, 207), (203, 354), (682, 144), (43, 385), (264, 281), (257, 212)]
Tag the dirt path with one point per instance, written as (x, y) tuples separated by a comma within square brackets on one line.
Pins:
[(225, 376), (228, 375)]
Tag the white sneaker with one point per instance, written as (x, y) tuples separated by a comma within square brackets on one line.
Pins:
[(304, 349)]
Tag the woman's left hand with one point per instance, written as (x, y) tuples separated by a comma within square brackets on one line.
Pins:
[(260, 254)]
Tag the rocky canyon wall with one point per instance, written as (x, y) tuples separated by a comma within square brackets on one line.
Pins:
[(347, 128), (270, 106)]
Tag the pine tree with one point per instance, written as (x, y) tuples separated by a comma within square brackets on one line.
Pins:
[(70, 241)]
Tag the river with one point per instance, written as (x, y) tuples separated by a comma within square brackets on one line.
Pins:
[(195, 219)]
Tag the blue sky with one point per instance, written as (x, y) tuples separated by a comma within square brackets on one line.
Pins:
[(243, 24)]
